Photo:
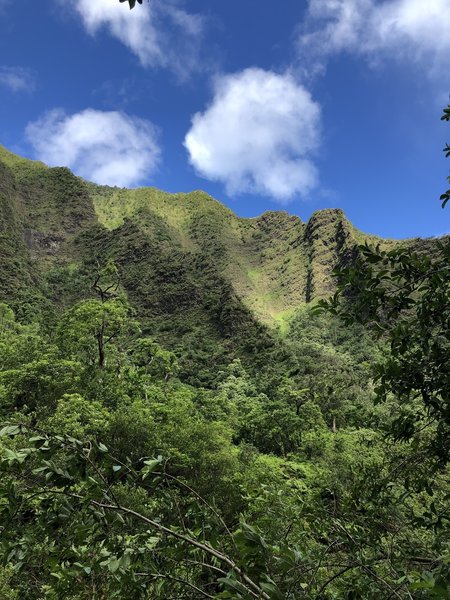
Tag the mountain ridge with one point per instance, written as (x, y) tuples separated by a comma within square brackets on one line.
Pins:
[(273, 262)]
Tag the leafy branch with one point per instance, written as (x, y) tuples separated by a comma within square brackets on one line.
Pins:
[(132, 3), (445, 197), (83, 481)]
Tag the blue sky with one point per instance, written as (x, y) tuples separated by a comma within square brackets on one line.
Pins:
[(319, 103)]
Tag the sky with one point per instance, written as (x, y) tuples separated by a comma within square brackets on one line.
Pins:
[(296, 105)]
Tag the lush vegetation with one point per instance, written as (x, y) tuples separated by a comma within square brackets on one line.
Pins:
[(121, 477), (158, 441)]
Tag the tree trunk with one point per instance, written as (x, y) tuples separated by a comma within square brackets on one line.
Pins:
[(101, 351)]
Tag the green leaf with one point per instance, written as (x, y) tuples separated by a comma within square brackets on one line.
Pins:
[(233, 584), (113, 564), (11, 430), (272, 590), (150, 467)]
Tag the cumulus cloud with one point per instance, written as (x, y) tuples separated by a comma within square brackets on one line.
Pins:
[(17, 79), (159, 33), (412, 30), (108, 148), (257, 135)]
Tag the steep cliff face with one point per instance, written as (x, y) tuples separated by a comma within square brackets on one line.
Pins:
[(15, 260), (52, 205), (328, 240), (275, 262), (172, 249)]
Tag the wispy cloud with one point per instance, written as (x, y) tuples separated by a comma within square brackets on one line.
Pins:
[(415, 31), (159, 33), (258, 135), (17, 79), (109, 148)]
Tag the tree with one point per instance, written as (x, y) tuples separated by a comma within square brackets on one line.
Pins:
[(90, 327), (404, 297), (153, 360)]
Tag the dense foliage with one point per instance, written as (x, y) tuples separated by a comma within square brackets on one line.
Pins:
[(159, 442), (274, 481)]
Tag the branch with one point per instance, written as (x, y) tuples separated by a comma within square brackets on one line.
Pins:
[(171, 577), (201, 546), (338, 574), (254, 590)]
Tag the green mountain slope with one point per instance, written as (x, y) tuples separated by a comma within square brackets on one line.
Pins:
[(173, 250), (275, 262)]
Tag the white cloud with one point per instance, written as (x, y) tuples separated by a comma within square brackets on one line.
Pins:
[(109, 148), (159, 33), (408, 30), (17, 79), (257, 135)]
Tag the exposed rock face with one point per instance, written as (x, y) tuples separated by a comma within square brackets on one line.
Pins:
[(40, 243), (328, 235)]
